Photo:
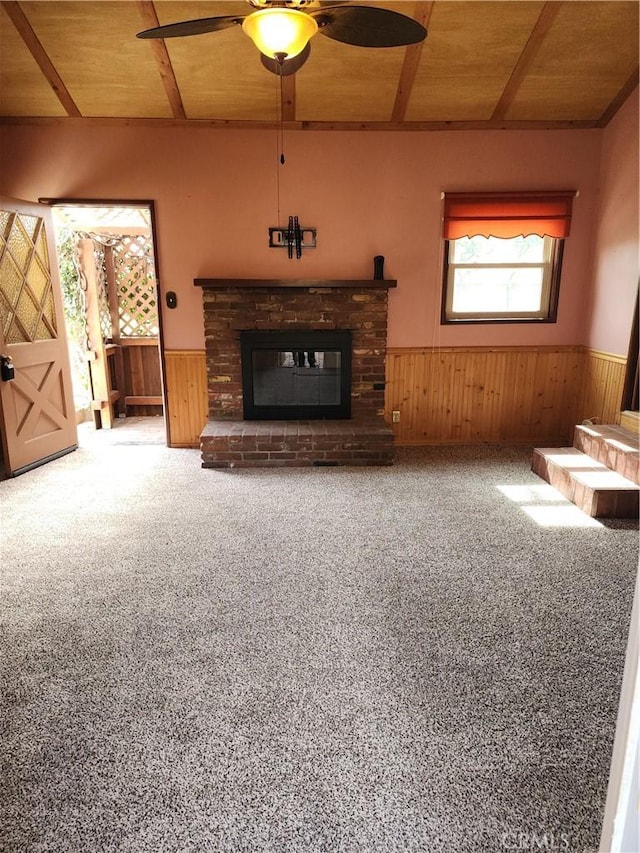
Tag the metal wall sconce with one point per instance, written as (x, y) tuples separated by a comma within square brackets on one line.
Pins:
[(293, 238)]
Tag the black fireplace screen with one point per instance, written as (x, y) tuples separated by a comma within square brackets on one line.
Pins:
[(294, 375)]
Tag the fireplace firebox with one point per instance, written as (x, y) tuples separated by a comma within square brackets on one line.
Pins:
[(289, 375)]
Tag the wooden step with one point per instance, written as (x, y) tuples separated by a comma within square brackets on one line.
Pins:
[(612, 445), (630, 420), (595, 489)]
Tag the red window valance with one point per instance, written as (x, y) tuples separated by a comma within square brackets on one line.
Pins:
[(507, 214)]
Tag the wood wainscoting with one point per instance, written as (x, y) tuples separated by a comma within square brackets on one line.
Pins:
[(508, 395), (453, 395), (186, 390), (602, 386)]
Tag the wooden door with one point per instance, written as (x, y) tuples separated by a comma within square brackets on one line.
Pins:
[(37, 417)]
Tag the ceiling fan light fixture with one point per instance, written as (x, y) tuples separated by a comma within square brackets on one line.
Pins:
[(280, 33)]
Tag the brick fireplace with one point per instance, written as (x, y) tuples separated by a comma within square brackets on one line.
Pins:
[(235, 306)]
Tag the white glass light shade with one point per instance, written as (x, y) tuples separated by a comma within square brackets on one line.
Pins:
[(277, 31)]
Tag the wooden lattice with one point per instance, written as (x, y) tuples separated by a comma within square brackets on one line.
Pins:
[(135, 277)]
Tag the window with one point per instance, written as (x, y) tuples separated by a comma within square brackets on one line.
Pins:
[(493, 279), (503, 256)]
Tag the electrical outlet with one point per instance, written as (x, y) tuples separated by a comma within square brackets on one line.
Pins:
[(395, 416)]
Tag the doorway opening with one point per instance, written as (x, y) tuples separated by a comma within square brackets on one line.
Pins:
[(107, 263)]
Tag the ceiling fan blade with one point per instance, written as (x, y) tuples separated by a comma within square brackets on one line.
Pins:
[(368, 26), (191, 28), (289, 66)]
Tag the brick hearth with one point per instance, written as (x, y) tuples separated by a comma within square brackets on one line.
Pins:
[(260, 444), (235, 305)]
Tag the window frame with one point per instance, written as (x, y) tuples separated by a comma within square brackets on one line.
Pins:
[(551, 285)]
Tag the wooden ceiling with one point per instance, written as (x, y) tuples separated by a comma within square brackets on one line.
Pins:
[(484, 64)]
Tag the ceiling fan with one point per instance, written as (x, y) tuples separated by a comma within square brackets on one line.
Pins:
[(281, 29)]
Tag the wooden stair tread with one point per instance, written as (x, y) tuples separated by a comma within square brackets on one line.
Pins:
[(586, 470), (625, 439), (612, 445), (600, 474), (630, 420)]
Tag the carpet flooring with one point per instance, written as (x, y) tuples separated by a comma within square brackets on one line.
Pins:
[(426, 657)]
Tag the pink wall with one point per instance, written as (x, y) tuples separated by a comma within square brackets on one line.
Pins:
[(367, 194), (615, 264)]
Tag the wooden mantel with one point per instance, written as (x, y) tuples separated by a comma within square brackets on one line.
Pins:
[(223, 283)]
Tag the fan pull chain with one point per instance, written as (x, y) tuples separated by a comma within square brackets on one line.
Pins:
[(279, 137), (282, 161), (278, 149)]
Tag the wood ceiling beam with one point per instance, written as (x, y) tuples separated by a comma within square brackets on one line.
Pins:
[(541, 27), (161, 55), (413, 52), (620, 98), (24, 28), (240, 124)]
